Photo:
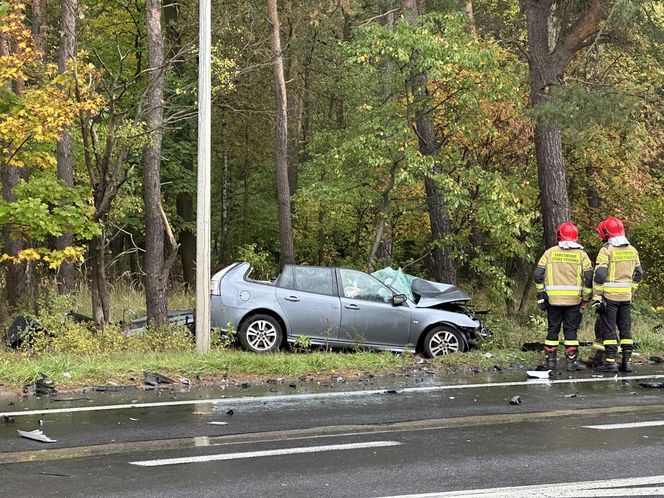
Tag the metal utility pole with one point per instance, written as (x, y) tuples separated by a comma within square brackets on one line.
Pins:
[(204, 179)]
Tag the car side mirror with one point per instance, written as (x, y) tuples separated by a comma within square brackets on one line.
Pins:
[(399, 299)]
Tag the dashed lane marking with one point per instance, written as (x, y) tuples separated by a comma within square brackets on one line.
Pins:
[(264, 453), (627, 425), (647, 486)]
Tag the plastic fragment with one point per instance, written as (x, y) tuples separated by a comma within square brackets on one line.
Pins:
[(516, 400), (154, 379), (36, 435), (214, 422), (539, 374), (573, 395), (652, 385), (185, 381)]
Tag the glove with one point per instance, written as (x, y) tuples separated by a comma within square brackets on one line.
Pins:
[(542, 301), (599, 305)]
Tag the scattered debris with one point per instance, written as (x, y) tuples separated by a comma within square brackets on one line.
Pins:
[(53, 474), (656, 359), (40, 387), (497, 368), (9, 420), (36, 435), (230, 412), (154, 379), (292, 386), (67, 375), (71, 399), (134, 419), (391, 391), (539, 374), (573, 395), (516, 400), (217, 423), (199, 413), (112, 389), (245, 385), (488, 355), (185, 381), (652, 385)]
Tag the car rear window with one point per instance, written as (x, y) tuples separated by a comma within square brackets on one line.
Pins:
[(318, 280)]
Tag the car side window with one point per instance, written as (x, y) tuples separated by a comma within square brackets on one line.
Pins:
[(318, 280), (359, 285)]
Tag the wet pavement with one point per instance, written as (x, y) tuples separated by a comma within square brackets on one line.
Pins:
[(452, 432)]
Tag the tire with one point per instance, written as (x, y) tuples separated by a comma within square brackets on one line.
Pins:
[(443, 340), (261, 334)]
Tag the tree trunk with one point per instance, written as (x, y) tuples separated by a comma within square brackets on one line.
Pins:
[(100, 296), (17, 275), (444, 268), (470, 13), (549, 55), (281, 147), (66, 277), (223, 229), (157, 258), (245, 188), (184, 202), (37, 19)]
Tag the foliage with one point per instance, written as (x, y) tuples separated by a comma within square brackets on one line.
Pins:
[(36, 105)]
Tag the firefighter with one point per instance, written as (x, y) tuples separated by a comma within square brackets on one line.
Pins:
[(563, 279), (617, 275), (598, 345)]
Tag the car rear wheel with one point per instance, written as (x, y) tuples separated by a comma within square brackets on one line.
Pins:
[(443, 340), (261, 334)]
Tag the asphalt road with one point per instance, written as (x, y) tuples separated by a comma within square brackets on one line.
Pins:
[(450, 437)]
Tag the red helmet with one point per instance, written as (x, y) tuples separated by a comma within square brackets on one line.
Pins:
[(567, 232), (613, 227), (601, 231)]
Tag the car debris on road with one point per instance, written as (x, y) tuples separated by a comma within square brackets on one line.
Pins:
[(36, 435)]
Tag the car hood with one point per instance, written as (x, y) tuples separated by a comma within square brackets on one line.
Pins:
[(433, 293)]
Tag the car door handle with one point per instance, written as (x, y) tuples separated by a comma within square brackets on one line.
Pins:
[(292, 299), (351, 307)]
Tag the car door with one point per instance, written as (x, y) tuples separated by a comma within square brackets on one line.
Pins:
[(368, 315), (309, 298)]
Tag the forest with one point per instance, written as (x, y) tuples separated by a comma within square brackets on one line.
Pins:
[(446, 137)]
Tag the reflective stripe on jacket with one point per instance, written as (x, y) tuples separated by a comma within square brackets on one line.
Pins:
[(617, 273), (566, 276)]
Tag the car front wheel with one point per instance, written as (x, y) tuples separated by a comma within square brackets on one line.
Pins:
[(261, 334), (443, 340)]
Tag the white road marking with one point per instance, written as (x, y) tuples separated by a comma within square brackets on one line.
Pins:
[(326, 395), (607, 487), (264, 453), (627, 425)]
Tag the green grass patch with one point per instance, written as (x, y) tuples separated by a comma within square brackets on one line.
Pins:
[(73, 370)]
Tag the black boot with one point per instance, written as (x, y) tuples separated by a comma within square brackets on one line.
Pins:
[(625, 365), (551, 359), (609, 366), (597, 359), (572, 357)]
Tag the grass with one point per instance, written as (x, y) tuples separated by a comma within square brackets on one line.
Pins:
[(75, 370)]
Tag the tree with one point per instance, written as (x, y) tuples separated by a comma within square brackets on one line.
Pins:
[(160, 245), (37, 104), (64, 152), (554, 38), (281, 145)]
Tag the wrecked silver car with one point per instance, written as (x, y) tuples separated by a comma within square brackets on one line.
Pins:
[(342, 308)]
